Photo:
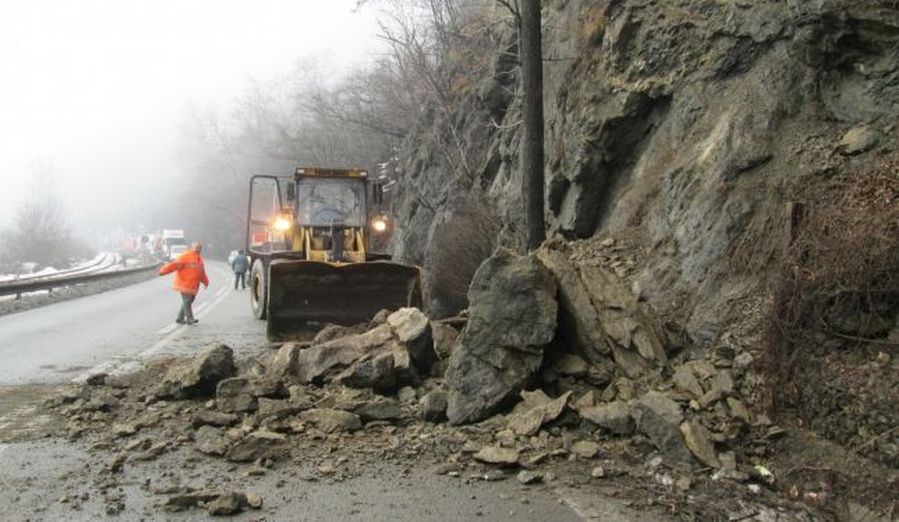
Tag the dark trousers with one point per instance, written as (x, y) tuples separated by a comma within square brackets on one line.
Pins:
[(239, 278), (186, 313)]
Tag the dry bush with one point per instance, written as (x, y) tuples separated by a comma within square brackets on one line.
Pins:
[(840, 280), (459, 247)]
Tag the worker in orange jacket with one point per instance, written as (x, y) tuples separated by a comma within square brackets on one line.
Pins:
[(189, 274)]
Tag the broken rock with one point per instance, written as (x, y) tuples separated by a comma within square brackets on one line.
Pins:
[(614, 416), (199, 376), (211, 441), (260, 444), (413, 330), (433, 406), (376, 371), (330, 420), (497, 455), (699, 442), (383, 409), (235, 395), (284, 364), (213, 418), (536, 410)]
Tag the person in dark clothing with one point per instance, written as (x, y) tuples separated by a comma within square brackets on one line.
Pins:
[(240, 264)]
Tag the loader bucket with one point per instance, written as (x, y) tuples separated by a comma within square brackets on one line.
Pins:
[(300, 292)]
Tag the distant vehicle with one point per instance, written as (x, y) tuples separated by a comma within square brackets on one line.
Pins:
[(173, 243), (232, 255), (176, 250)]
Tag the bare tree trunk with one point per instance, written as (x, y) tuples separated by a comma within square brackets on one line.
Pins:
[(531, 147)]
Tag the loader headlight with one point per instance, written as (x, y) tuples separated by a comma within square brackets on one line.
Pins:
[(379, 224), (281, 224)]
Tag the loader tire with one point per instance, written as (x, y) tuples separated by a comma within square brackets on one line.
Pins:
[(258, 290)]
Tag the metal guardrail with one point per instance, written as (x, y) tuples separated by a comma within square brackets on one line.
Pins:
[(22, 286), (101, 262)]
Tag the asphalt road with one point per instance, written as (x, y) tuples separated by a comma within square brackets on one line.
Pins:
[(115, 331), (67, 340)]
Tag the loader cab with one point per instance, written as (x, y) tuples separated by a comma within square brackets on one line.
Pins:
[(308, 240), (316, 215)]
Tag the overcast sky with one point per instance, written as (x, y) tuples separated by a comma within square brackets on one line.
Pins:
[(94, 90)]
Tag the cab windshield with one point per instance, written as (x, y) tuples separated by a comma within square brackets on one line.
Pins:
[(325, 202)]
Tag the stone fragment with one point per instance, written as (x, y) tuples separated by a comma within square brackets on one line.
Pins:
[(445, 337), (235, 395), (614, 416), (260, 444), (433, 406), (97, 379), (739, 410), (663, 406), (336, 331), (697, 438), (587, 400), (381, 409), (275, 408), (331, 420), (124, 429), (721, 385), (586, 449), (285, 363), (859, 139), (684, 380), (413, 330), (664, 434), (225, 505), (497, 455), (254, 500), (191, 499), (512, 318), (211, 441), (213, 418), (199, 376), (407, 394), (376, 371), (536, 410), (571, 365), (529, 477), (598, 472)]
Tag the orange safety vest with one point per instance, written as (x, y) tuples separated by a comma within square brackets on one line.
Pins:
[(189, 272)]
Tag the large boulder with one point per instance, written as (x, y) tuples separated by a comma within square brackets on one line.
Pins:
[(601, 315), (199, 376), (512, 317)]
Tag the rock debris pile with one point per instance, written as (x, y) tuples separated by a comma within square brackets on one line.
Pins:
[(556, 364)]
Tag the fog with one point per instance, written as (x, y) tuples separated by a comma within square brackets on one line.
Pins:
[(92, 92)]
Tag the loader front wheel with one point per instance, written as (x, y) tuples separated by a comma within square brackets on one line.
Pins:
[(258, 290)]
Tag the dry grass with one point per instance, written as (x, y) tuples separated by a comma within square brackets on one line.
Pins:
[(840, 277), (460, 245)]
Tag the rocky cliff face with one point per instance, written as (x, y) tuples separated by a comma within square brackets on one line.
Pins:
[(681, 126)]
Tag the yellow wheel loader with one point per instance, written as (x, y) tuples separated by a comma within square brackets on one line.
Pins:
[(308, 238)]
